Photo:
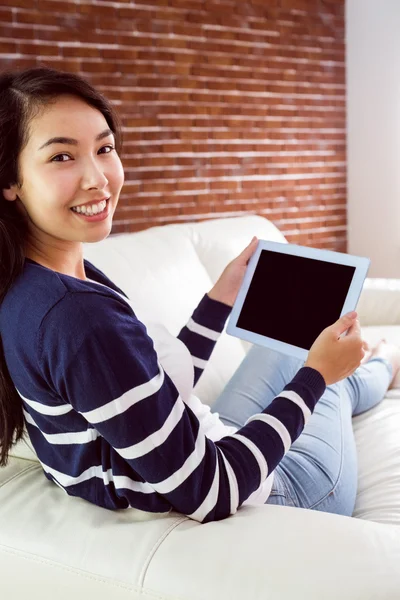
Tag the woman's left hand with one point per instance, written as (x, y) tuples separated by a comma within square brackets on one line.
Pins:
[(227, 287)]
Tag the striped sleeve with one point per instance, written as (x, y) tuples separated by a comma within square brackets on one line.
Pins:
[(101, 361), (203, 330)]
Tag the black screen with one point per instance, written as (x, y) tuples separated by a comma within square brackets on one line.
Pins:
[(292, 298)]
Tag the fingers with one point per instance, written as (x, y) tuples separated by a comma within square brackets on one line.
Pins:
[(354, 329), (345, 322)]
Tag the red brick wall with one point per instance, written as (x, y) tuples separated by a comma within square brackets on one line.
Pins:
[(229, 107)]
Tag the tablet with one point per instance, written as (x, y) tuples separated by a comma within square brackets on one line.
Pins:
[(290, 293)]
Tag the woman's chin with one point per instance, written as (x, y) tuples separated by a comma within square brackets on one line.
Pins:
[(97, 235)]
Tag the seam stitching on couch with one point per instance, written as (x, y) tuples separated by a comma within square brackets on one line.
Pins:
[(158, 543), (80, 573), (19, 474)]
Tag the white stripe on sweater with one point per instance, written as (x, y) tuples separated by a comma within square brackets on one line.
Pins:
[(122, 482), (233, 486), (126, 401), (45, 409), (71, 437), (199, 362), (155, 439), (191, 463), (277, 425), (260, 458), (201, 330), (210, 500), (296, 399), (97, 471)]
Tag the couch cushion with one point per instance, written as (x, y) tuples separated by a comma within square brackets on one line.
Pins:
[(71, 537), (377, 435), (266, 553)]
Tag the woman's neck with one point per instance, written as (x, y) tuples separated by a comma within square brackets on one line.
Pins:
[(67, 265)]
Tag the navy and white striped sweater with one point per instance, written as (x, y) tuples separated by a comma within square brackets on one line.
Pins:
[(105, 419)]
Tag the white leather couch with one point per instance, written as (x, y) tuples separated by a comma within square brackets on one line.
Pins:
[(57, 547)]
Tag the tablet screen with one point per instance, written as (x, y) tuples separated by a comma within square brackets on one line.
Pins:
[(293, 298)]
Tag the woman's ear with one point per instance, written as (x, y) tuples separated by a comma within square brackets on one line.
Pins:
[(10, 193)]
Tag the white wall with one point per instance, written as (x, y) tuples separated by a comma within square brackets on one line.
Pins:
[(373, 121)]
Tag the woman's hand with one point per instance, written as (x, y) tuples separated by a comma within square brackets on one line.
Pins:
[(337, 357), (227, 287)]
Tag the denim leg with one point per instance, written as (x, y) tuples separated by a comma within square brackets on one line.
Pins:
[(260, 377), (320, 469), (369, 383)]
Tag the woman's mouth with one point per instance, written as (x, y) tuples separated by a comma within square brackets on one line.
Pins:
[(88, 214)]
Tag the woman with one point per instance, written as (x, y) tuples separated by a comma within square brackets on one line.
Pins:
[(110, 412)]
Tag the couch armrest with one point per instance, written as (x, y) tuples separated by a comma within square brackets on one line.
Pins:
[(379, 302), (278, 552)]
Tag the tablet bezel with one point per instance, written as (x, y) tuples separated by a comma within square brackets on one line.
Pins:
[(360, 263)]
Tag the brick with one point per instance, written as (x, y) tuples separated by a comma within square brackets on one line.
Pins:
[(80, 51), (8, 48), (96, 10), (33, 17), (14, 3), (6, 15), (118, 54), (20, 33), (39, 50), (9, 62), (55, 7), (94, 66)]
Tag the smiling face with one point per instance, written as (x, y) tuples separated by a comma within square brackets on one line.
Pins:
[(69, 160)]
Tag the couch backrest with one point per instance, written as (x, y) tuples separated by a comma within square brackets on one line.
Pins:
[(166, 270)]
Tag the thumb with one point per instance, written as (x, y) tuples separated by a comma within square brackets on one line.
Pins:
[(344, 323), (249, 250)]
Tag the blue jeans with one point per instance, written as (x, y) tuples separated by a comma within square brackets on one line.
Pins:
[(319, 471)]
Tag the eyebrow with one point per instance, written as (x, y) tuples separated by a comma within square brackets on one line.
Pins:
[(72, 141)]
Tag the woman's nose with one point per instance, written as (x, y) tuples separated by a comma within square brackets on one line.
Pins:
[(94, 176)]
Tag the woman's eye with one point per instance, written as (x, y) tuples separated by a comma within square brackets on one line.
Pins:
[(54, 159), (59, 157), (109, 148)]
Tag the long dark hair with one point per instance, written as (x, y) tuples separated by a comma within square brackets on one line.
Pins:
[(22, 95)]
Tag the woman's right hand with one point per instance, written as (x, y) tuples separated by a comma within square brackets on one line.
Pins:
[(338, 357)]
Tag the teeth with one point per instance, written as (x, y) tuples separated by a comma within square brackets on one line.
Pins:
[(93, 209)]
